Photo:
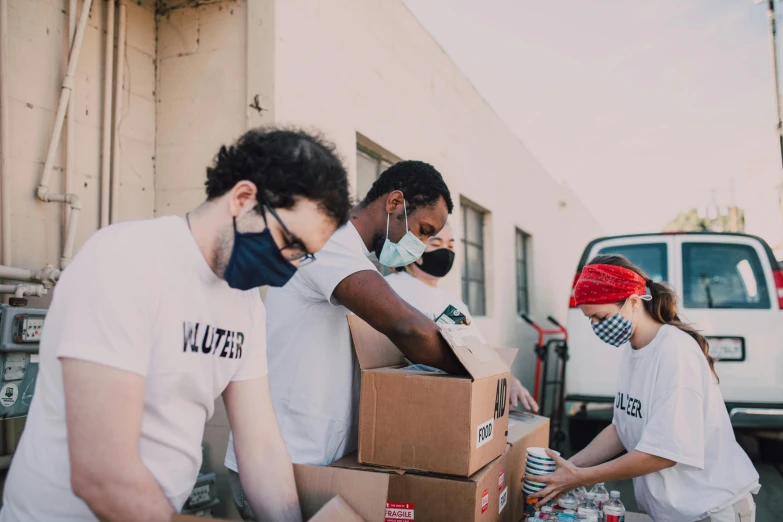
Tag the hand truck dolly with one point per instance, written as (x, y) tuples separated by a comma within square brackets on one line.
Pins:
[(552, 339)]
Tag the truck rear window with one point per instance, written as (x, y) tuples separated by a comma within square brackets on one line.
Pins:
[(650, 257), (721, 275)]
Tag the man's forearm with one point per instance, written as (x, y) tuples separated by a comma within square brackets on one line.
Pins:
[(125, 494), (634, 464), (605, 446), (270, 488), (426, 346)]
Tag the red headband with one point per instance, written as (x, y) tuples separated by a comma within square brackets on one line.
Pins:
[(606, 284)]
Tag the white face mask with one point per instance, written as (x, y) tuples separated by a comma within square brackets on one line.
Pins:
[(406, 251)]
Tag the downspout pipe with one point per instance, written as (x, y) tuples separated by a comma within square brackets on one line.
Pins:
[(70, 120), (106, 143), (118, 102), (5, 152), (43, 188)]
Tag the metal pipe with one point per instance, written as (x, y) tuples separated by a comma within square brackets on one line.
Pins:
[(70, 119), (23, 290), (108, 78), (5, 153), (118, 102), (48, 275), (65, 94)]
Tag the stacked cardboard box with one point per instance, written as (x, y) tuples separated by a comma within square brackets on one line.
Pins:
[(438, 423), (333, 510), (432, 447)]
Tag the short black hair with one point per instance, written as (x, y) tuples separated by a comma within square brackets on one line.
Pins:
[(283, 163), (421, 184)]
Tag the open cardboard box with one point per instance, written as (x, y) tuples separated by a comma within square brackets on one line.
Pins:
[(450, 424), (525, 430), (334, 510), (388, 495)]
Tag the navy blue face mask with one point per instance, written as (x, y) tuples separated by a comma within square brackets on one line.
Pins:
[(256, 261)]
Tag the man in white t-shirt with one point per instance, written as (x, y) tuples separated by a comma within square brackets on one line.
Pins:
[(314, 376), (152, 321)]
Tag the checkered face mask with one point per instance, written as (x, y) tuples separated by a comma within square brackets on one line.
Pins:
[(615, 330)]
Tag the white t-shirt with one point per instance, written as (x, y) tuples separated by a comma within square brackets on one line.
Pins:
[(141, 298), (668, 404), (313, 374), (431, 301)]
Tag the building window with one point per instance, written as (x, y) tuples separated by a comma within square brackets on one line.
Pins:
[(523, 251), (371, 161), (369, 167), (474, 291)]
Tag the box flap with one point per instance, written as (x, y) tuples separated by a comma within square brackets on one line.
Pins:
[(366, 493), (521, 423), (507, 354), (336, 510), (373, 349), (351, 461), (478, 359)]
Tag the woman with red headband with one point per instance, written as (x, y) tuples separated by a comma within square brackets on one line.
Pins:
[(669, 413)]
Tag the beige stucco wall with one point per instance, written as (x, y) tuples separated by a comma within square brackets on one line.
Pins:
[(37, 55)]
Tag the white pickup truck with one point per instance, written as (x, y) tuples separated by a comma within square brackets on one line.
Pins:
[(730, 287)]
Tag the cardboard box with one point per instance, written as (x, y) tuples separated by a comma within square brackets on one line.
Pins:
[(525, 430), (386, 495), (335, 510), (450, 424)]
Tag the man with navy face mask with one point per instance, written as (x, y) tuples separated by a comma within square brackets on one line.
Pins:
[(313, 375), (152, 321)]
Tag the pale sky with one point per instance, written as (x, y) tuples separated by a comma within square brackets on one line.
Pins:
[(641, 107)]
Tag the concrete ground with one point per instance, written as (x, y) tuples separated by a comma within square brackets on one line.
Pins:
[(769, 501)]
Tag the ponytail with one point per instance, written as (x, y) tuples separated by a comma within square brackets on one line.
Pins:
[(663, 306)]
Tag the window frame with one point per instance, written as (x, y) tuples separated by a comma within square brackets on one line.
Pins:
[(522, 267), (466, 280)]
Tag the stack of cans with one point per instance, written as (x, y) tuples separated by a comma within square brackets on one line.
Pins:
[(538, 463)]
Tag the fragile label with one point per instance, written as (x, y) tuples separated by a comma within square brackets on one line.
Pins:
[(485, 500), (501, 479), (9, 394), (484, 433), (398, 512), (503, 500)]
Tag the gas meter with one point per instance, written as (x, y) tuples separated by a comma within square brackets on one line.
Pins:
[(20, 336)]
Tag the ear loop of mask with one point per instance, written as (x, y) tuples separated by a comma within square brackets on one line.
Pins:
[(405, 208)]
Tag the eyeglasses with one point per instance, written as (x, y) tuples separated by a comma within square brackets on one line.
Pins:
[(296, 250)]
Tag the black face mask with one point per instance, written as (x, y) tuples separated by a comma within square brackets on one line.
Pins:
[(437, 263), (257, 261)]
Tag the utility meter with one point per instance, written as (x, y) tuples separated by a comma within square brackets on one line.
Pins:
[(20, 336)]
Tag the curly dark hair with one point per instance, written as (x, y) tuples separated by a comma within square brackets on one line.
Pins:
[(283, 164), (421, 184)]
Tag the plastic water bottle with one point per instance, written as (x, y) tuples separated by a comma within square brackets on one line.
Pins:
[(580, 493), (588, 508), (614, 510), (589, 502), (601, 495), (568, 501)]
